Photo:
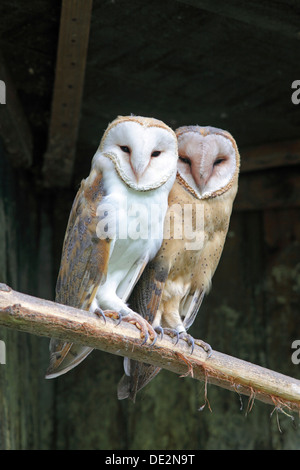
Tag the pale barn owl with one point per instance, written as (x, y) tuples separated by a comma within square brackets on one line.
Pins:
[(171, 289), (116, 226)]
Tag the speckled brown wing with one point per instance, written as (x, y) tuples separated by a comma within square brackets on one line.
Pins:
[(83, 268), (145, 299), (137, 376), (146, 296)]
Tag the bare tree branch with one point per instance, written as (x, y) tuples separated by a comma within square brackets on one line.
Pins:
[(46, 318)]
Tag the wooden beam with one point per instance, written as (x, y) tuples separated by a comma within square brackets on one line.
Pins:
[(270, 189), (270, 155), (46, 318), (68, 90), (279, 17), (270, 176), (14, 128)]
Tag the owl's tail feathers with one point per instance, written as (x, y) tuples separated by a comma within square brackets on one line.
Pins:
[(137, 376), (64, 357), (124, 388)]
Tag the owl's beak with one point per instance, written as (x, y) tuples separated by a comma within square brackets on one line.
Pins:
[(199, 175), (201, 181), (138, 169)]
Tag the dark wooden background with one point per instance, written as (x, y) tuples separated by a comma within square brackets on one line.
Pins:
[(186, 62)]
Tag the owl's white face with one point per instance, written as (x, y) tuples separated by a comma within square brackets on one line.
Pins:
[(144, 151), (207, 159)]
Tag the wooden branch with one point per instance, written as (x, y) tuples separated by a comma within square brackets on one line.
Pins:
[(68, 90), (46, 318)]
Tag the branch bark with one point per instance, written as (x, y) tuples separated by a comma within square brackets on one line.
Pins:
[(46, 318)]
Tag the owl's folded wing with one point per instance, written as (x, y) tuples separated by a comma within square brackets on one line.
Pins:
[(83, 268)]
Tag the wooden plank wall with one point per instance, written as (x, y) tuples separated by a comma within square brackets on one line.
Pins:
[(25, 263)]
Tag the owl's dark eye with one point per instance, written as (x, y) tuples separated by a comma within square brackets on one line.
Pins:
[(218, 161), (155, 153), (125, 149), (186, 160)]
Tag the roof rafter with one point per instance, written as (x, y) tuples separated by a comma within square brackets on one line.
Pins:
[(68, 89)]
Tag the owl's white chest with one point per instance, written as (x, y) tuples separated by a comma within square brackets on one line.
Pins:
[(133, 221)]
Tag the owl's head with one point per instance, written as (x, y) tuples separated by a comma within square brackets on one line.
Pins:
[(143, 150), (208, 160)]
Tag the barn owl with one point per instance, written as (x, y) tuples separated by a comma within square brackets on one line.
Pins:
[(171, 289), (116, 226)]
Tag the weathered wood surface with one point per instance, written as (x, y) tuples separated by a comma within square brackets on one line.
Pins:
[(271, 155), (24, 238), (68, 89), (14, 126), (272, 189)]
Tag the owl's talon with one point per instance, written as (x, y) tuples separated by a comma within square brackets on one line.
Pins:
[(172, 332), (111, 314), (146, 329), (154, 340), (207, 348), (189, 339), (138, 326), (160, 331), (119, 319), (99, 312), (145, 339)]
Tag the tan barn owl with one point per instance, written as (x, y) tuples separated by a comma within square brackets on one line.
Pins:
[(116, 226), (171, 289)]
